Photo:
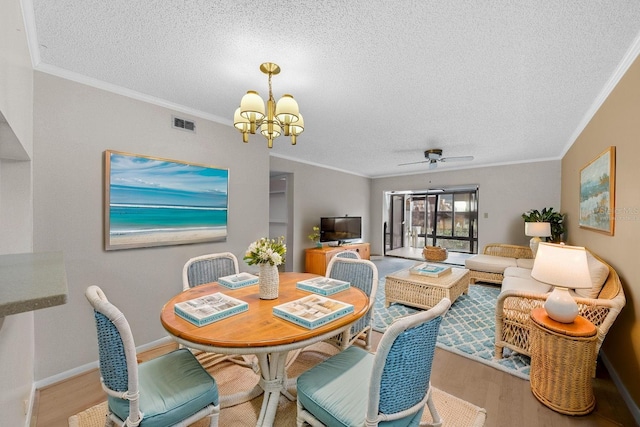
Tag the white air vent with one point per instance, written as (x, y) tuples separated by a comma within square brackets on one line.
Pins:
[(183, 124)]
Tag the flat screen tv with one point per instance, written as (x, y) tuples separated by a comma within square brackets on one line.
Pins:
[(341, 229)]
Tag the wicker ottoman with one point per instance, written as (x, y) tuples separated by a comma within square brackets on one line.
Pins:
[(423, 291)]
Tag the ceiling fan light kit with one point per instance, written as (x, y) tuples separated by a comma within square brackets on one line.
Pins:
[(434, 155), (276, 119)]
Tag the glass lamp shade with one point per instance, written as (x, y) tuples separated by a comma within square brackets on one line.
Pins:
[(264, 129), (296, 129), (565, 267), (240, 123), (252, 106), (287, 109)]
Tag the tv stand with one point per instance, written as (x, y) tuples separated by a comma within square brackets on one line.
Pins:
[(317, 259)]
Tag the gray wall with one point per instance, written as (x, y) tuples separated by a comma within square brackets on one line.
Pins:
[(16, 105), (74, 125), (505, 192), (319, 192)]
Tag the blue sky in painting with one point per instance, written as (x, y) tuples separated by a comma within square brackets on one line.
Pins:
[(145, 181)]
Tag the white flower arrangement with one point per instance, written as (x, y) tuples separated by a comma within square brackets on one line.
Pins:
[(266, 251)]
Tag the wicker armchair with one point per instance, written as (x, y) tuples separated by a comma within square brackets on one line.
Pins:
[(172, 389), (390, 387), (206, 269), (503, 250), (513, 309)]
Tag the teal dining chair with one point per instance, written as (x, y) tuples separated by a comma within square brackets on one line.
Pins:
[(356, 388), (170, 390), (206, 269), (362, 274)]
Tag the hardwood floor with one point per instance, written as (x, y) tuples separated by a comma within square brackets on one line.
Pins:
[(507, 399)]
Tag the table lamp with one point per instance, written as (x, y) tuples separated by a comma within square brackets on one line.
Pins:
[(564, 267), (537, 230)]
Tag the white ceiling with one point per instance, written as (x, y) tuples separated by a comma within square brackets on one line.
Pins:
[(378, 82)]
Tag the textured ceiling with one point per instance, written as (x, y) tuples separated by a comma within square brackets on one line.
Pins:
[(378, 82)]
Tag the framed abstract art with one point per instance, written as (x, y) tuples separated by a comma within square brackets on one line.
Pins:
[(151, 201)]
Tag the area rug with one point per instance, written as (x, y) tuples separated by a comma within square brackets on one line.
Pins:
[(468, 329), (231, 378)]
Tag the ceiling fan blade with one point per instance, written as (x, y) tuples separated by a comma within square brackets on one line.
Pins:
[(413, 163), (456, 159)]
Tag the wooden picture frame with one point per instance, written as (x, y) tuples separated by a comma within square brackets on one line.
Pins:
[(149, 201), (597, 193)]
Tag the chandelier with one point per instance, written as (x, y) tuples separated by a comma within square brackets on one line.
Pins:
[(280, 118)]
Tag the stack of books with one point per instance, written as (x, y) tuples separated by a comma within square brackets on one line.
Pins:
[(312, 311), (430, 270), (239, 280), (209, 308), (323, 285)]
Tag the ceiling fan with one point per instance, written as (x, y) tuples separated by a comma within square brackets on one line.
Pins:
[(434, 156)]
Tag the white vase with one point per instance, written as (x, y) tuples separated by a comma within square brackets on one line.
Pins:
[(268, 281)]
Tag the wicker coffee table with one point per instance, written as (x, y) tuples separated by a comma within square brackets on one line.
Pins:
[(423, 291)]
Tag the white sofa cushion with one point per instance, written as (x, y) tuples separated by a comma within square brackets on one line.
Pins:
[(489, 263), (522, 284), (525, 263), (523, 273), (599, 273)]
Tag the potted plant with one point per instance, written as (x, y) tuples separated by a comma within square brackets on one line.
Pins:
[(555, 219), (315, 236), (268, 254)]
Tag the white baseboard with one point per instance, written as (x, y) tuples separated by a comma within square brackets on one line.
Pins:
[(628, 400), (90, 366)]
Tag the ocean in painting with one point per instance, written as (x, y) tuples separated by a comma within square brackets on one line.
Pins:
[(127, 219)]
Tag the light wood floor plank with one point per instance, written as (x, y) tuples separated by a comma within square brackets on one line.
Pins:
[(507, 399)]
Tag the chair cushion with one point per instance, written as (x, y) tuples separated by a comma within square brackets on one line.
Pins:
[(525, 263), (172, 387), (336, 391), (489, 263), (521, 284), (599, 273)]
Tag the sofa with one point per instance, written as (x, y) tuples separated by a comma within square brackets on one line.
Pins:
[(520, 293), (495, 259)]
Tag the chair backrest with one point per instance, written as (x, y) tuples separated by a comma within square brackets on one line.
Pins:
[(361, 273), (208, 268), (402, 365), (116, 351), (348, 254)]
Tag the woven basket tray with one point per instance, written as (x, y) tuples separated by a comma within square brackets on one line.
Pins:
[(434, 253)]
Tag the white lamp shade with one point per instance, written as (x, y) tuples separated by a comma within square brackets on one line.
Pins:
[(252, 106), (562, 265), (537, 229), (264, 129), (287, 109), (298, 127), (240, 123)]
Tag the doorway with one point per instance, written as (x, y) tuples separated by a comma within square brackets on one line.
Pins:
[(445, 217)]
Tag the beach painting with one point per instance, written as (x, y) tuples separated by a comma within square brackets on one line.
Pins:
[(157, 202), (597, 191)]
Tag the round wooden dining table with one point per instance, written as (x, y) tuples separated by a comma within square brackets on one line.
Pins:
[(258, 331)]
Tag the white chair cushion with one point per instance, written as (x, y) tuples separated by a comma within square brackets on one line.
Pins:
[(525, 263), (528, 285), (599, 273), (489, 263)]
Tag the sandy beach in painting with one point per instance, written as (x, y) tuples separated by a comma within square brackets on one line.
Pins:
[(154, 238)]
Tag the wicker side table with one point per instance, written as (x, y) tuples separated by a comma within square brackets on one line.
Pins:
[(563, 357)]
